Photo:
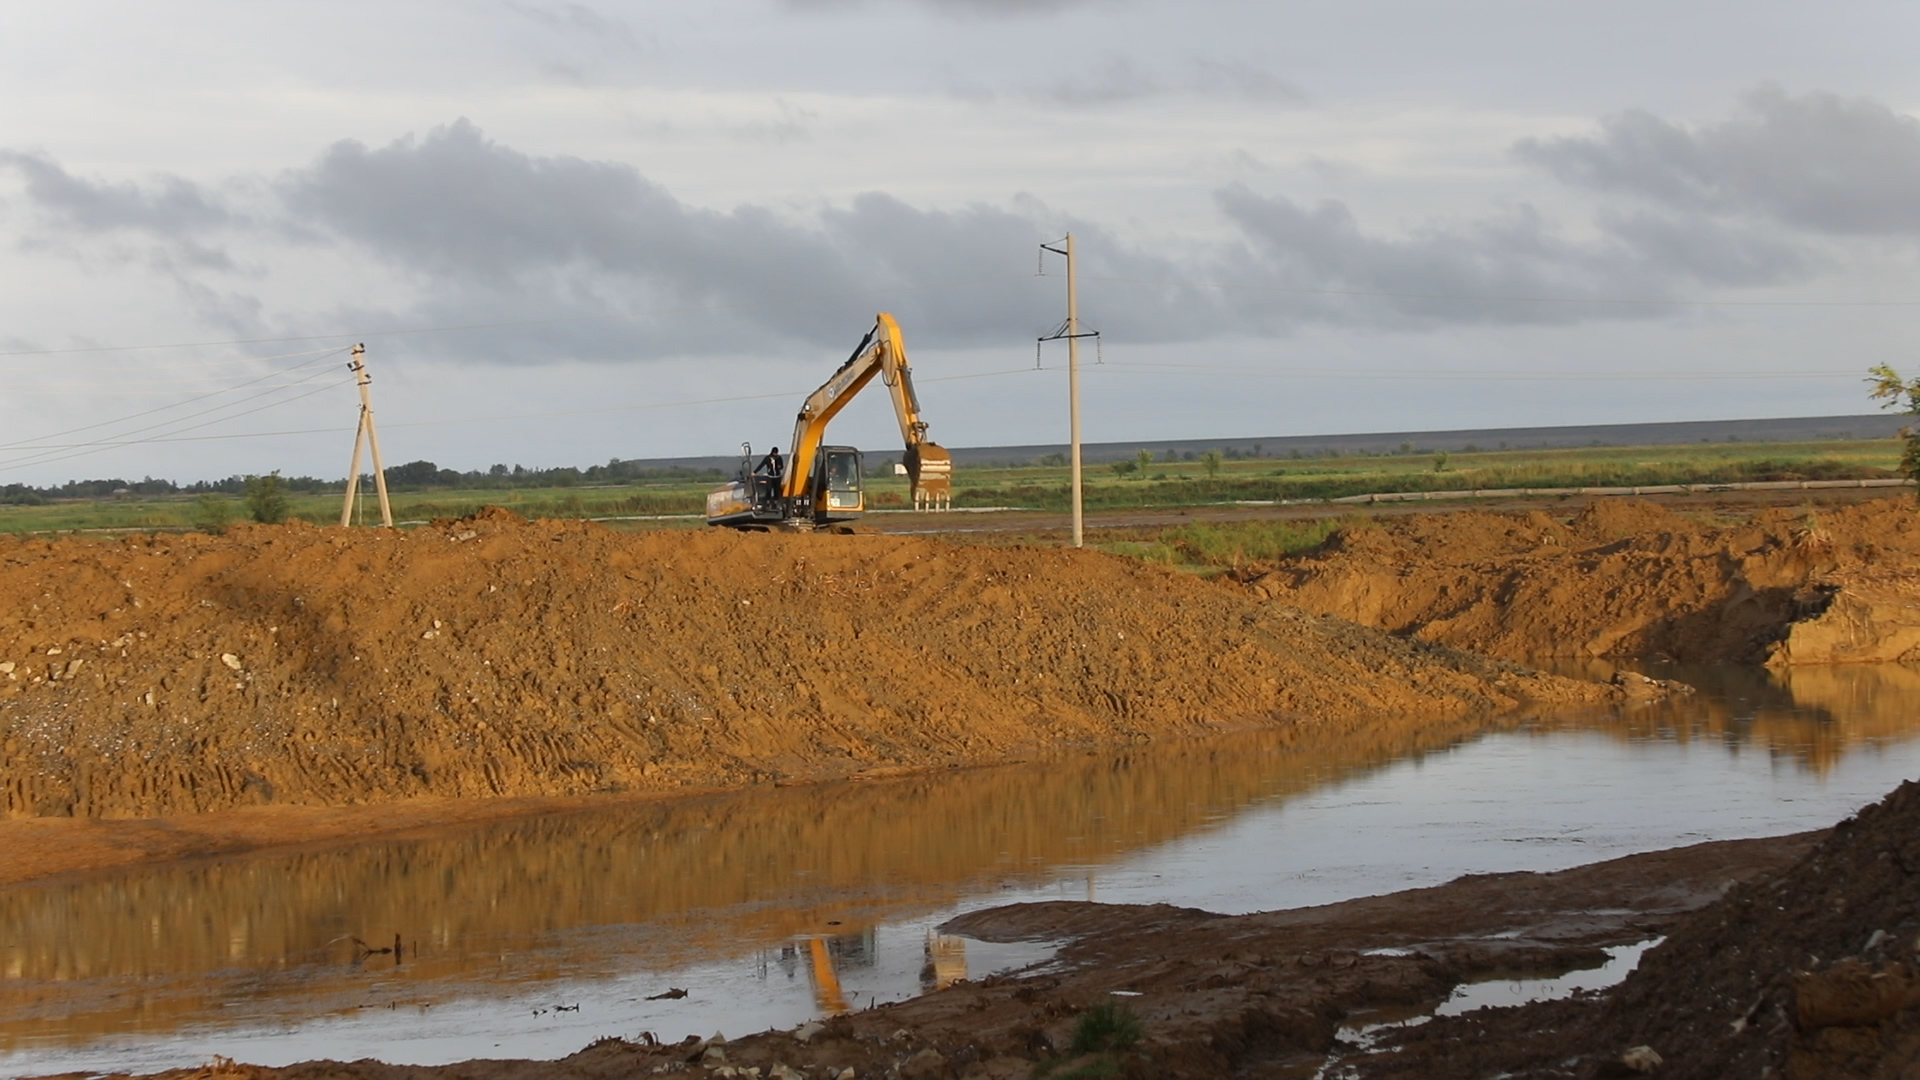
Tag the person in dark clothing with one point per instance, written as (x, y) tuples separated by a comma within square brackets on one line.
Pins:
[(772, 465)]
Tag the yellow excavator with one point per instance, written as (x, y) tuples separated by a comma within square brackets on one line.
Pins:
[(820, 486)]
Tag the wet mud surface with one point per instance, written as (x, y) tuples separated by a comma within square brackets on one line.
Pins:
[(1254, 995)]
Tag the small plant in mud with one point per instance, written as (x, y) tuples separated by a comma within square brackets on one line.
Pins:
[(1893, 392), (1811, 538), (1110, 1025)]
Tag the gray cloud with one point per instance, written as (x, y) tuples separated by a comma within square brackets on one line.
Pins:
[(170, 206), (1817, 161), (594, 260), (1710, 251), (1115, 79), (1321, 265), (1241, 78), (959, 7), (580, 20), (489, 231), (1119, 79)]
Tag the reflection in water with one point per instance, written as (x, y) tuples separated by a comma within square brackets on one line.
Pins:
[(946, 962), (802, 876), (1813, 714), (653, 885)]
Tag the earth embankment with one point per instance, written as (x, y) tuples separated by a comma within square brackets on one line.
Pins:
[(1628, 579), (498, 657)]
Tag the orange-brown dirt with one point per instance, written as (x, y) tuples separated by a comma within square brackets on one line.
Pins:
[(1628, 579), (496, 657)]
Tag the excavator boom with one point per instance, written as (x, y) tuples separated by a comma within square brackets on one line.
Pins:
[(880, 352), (820, 483)]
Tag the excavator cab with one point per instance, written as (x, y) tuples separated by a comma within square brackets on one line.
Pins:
[(757, 501), (841, 468)]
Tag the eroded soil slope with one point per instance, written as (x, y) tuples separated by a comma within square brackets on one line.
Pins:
[(1628, 579), (494, 657)]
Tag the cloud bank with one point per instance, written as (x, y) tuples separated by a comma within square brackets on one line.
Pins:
[(607, 264)]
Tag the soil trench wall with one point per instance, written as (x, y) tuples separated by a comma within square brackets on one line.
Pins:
[(1628, 579), (496, 657)]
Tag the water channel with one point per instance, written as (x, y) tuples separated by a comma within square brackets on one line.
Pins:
[(532, 938)]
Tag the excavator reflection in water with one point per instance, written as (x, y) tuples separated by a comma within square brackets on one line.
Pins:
[(827, 955), (820, 486)]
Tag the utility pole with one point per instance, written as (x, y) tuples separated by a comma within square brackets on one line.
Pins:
[(365, 432), (1071, 331)]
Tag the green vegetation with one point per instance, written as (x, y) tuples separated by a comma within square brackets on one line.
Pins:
[(1110, 1025), (266, 501), (677, 497), (1230, 545), (1893, 392), (212, 513), (1041, 487)]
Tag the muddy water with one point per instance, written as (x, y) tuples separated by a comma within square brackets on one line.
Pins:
[(533, 938)]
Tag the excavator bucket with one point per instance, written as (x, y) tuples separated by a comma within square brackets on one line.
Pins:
[(930, 471)]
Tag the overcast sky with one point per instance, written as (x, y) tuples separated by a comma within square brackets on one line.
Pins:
[(574, 232)]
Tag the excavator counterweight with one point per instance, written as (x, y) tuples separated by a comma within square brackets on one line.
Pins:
[(821, 485)]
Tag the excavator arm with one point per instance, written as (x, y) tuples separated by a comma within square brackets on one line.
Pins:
[(880, 352)]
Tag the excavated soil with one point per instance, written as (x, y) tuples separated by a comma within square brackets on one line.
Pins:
[(1809, 975), (497, 657), (1628, 579)]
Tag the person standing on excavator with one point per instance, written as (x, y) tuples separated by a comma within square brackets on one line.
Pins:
[(772, 465)]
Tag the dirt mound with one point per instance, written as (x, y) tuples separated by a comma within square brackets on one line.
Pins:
[(1628, 579), (1811, 973), (492, 657)]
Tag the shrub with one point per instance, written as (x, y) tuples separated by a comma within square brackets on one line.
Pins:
[(211, 513), (266, 499), (1109, 1025)]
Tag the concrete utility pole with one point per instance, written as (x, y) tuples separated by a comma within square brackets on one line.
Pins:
[(1071, 331), (365, 432)]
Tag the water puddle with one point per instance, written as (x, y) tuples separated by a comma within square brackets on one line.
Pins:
[(1500, 993), (1485, 994), (532, 938)]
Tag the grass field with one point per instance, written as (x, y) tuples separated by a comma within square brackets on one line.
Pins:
[(1046, 487)]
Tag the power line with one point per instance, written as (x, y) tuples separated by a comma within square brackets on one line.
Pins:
[(324, 354), (1497, 299), (1460, 375), (52, 454), (791, 300), (178, 419), (557, 414)]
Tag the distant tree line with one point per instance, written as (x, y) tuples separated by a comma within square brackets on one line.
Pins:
[(412, 476)]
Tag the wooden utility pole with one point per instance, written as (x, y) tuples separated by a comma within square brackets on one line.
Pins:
[(367, 433), (1071, 331)]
